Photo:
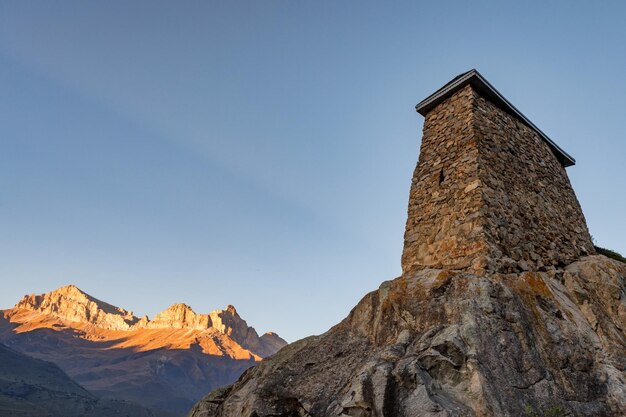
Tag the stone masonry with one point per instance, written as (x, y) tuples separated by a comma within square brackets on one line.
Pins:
[(489, 193)]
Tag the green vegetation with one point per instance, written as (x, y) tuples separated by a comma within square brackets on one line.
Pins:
[(556, 411), (610, 254)]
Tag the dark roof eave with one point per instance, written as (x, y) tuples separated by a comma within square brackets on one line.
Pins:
[(483, 86)]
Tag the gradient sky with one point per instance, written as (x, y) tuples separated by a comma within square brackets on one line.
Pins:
[(260, 153)]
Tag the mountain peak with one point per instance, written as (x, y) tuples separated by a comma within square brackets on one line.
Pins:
[(180, 307), (230, 310), (70, 290), (179, 316), (72, 304), (69, 287), (98, 344)]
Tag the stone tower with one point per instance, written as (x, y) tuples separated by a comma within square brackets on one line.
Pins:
[(490, 191)]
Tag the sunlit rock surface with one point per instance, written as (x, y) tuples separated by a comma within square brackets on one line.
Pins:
[(450, 343)]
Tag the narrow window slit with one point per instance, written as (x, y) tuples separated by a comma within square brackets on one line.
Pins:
[(441, 177)]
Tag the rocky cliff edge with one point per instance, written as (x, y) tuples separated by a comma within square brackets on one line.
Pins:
[(448, 343)]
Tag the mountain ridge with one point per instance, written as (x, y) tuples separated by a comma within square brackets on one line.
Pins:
[(73, 304), (164, 364)]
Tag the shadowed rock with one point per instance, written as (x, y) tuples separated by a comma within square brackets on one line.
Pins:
[(451, 343)]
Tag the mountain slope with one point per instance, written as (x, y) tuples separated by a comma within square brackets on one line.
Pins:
[(452, 343), (165, 364), (32, 387)]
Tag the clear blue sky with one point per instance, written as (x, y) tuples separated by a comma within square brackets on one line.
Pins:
[(260, 153)]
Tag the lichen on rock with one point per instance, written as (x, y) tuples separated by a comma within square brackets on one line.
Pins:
[(437, 343)]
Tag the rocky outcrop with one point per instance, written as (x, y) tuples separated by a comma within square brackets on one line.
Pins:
[(452, 343)]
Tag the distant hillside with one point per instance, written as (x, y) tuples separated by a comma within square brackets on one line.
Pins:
[(165, 364), (31, 387)]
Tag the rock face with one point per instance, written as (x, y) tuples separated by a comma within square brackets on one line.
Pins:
[(452, 343), (165, 364), (501, 310)]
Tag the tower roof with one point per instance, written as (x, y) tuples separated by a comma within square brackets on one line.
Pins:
[(480, 84)]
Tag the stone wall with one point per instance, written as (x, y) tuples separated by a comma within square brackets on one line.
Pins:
[(444, 224), (488, 194), (532, 216)]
